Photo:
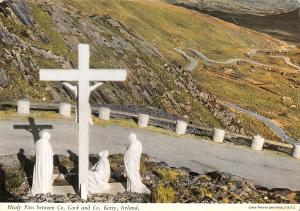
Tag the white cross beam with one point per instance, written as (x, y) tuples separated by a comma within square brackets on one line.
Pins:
[(83, 75)]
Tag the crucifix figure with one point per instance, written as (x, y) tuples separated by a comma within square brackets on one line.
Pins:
[(33, 128), (83, 75), (74, 89)]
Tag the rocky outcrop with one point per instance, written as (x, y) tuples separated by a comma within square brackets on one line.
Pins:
[(188, 84), (152, 79), (167, 184)]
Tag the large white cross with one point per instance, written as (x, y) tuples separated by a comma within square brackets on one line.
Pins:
[(83, 75)]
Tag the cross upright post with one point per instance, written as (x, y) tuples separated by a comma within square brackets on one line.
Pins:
[(83, 76)]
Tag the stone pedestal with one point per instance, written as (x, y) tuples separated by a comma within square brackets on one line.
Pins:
[(63, 190), (296, 151), (143, 120), (180, 127), (104, 113), (65, 109), (23, 107), (218, 135), (66, 189), (257, 143)]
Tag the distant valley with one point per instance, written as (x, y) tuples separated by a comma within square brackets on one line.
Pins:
[(285, 26), (255, 7)]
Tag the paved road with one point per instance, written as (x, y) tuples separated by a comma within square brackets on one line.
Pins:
[(193, 62), (267, 168), (277, 130), (288, 61), (229, 61)]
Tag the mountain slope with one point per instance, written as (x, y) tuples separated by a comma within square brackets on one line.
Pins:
[(137, 35), (168, 26), (284, 26), (257, 7)]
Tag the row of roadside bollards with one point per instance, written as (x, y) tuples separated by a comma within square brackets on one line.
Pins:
[(65, 109)]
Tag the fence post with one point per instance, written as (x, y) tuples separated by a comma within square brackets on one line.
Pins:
[(257, 143), (23, 107), (296, 151), (218, 135), (180, 127), (143, 120), (104, 113), (65, 109)]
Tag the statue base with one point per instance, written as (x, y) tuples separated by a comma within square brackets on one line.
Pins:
[(64, 190)]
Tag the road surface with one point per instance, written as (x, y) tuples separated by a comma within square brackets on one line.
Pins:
[(267, 168)]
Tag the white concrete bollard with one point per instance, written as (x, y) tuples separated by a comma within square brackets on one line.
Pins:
[(257, 143), (143, 120), (296, 151), (104, 113), (23, 107), (180, 127), (65, 109), (219, 135)]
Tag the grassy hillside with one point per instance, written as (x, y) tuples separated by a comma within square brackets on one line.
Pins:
[(168, 26), (277, 18), (244, 6), (140, 36)]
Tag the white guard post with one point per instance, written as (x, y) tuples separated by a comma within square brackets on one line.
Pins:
[(83, 75)]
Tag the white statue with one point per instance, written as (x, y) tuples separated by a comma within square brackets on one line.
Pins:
[(99, 175), (75, 91), (43, 168), (132, 160)]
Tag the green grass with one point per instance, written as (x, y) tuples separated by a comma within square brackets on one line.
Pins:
[(163, 194), (45, 115), (168, 26), (15, 177), (129, 123), (240, 93), (55, 41), (256, 127), (164, 26), (249, 91), (167, 174)]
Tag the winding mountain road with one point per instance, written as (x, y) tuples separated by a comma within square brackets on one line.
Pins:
[(276, 129), (288, 61), (229, 61), (193, 62), (267, 168)]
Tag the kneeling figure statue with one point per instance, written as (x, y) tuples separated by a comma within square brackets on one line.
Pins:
[(99, 175)]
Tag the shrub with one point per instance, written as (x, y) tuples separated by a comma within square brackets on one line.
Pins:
[(163, 194), (14, 178)]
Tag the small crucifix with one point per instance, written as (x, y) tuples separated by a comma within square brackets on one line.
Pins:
[(83, 75), (74, 89)]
